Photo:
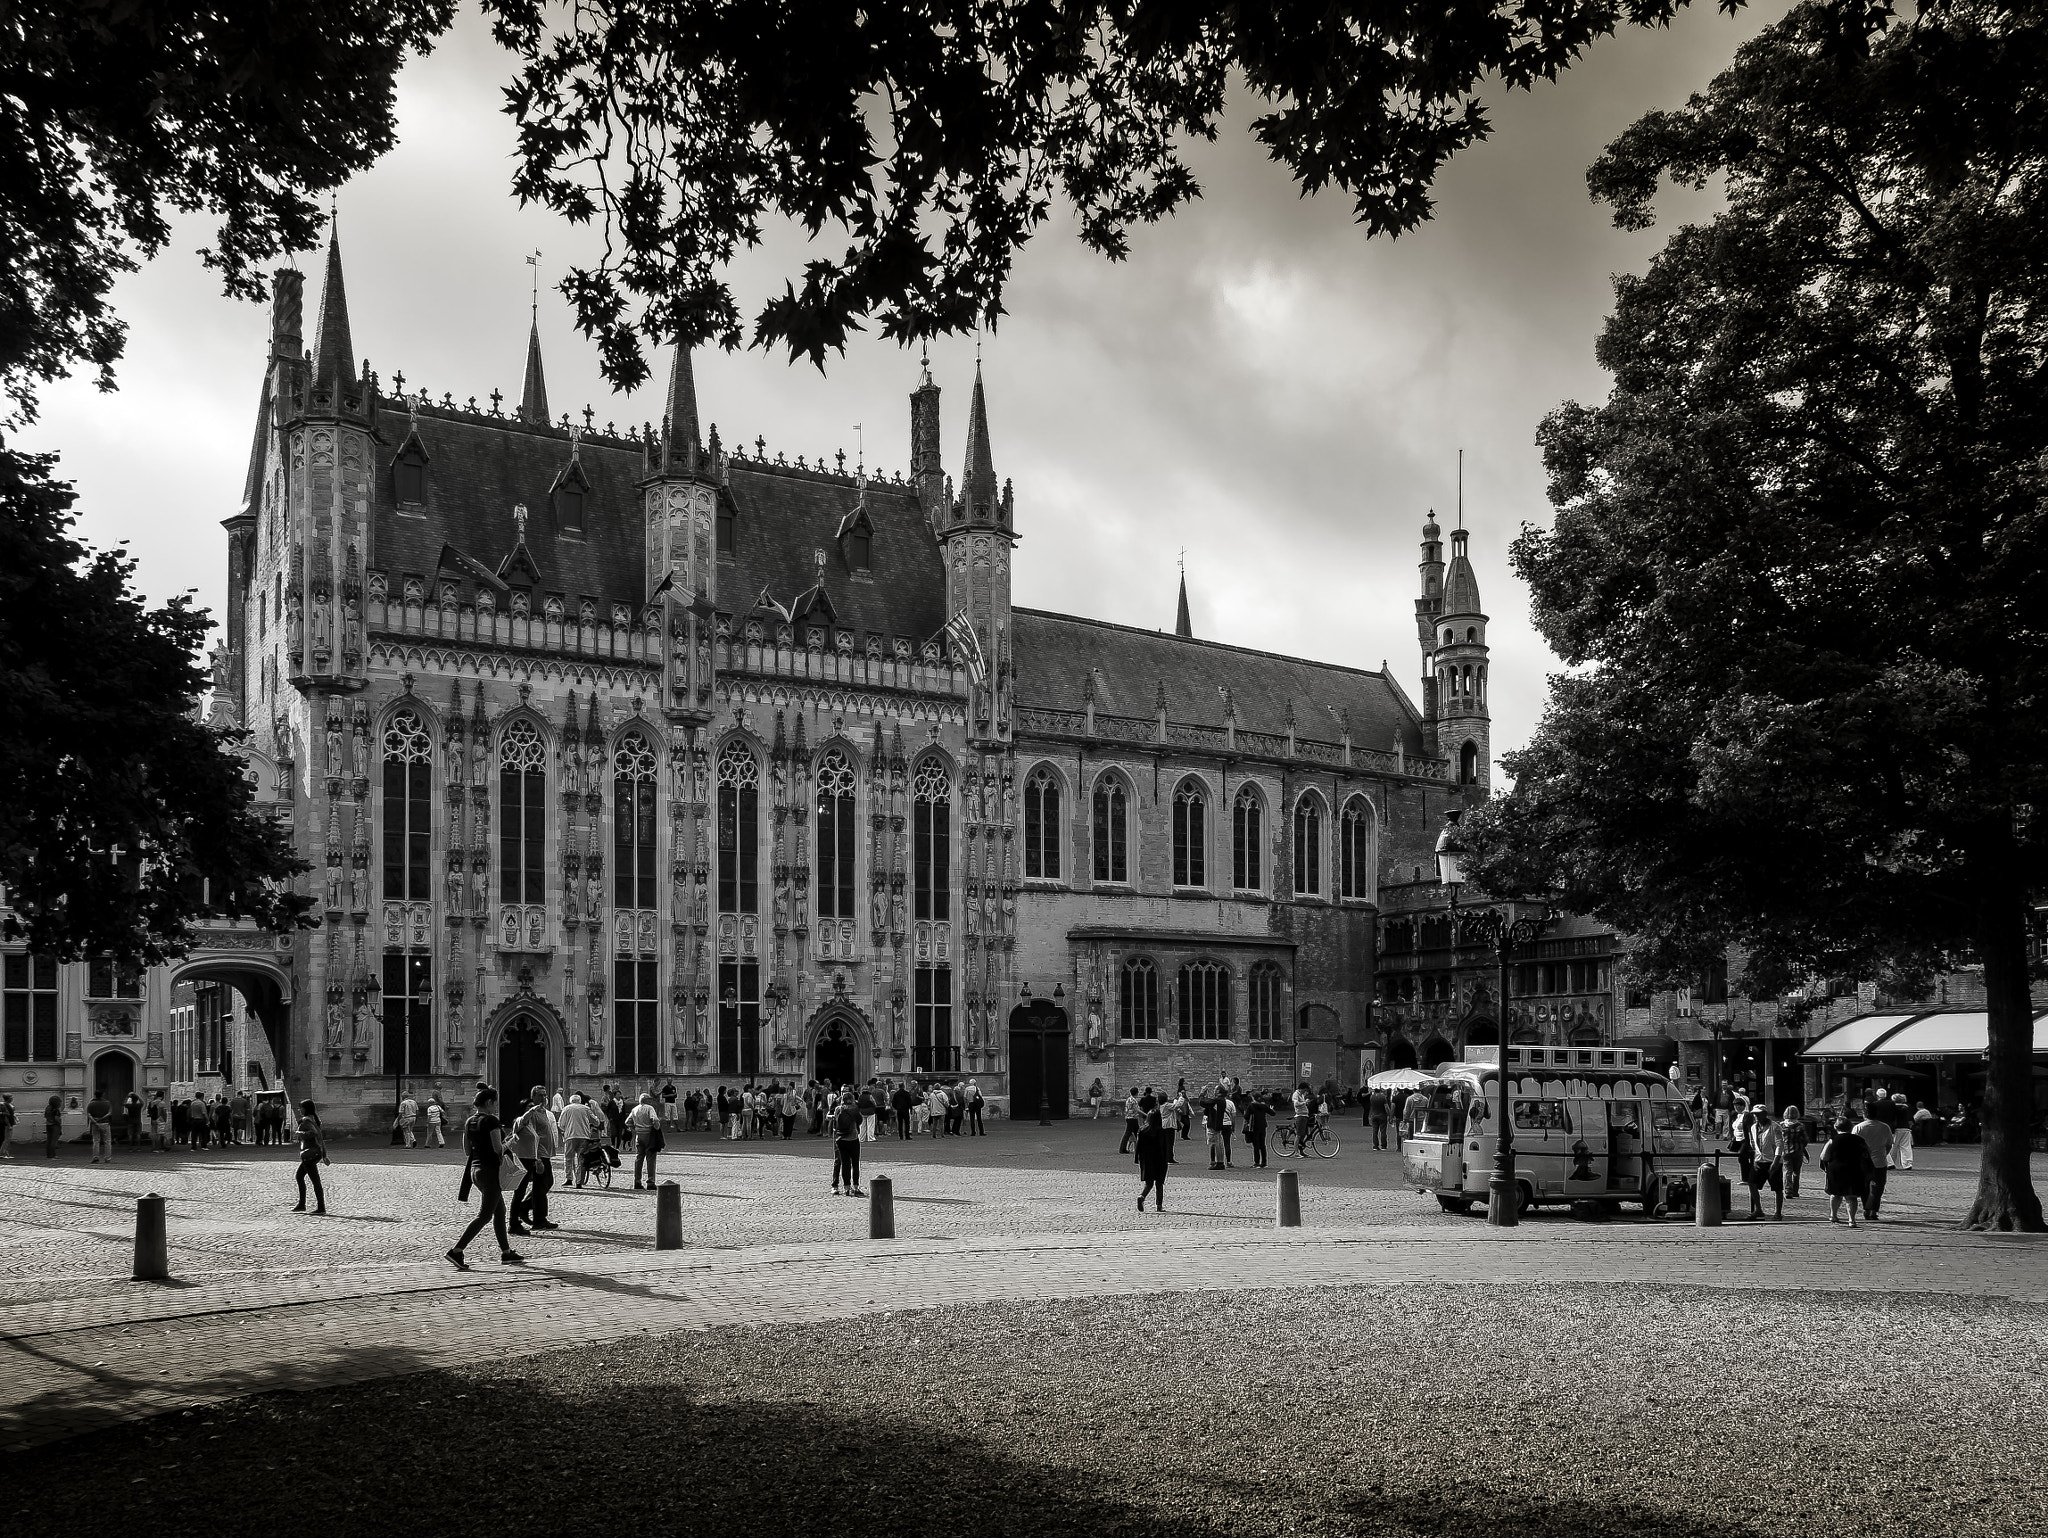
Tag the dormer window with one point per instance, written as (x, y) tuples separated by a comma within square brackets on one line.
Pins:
[(725, 530), (859, 549), (569, 507), (409, 476)]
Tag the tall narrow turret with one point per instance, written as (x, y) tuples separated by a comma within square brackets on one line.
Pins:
[(976, 543), (682, 492), (533, 393)]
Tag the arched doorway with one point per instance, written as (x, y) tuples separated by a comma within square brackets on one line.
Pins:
[(834, 1057), (1436, 1051), (522, 1060), (113, 1076), (1482, 1033), (1400, 1052)]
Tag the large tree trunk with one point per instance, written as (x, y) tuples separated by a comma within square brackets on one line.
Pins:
[(2005, 1192)]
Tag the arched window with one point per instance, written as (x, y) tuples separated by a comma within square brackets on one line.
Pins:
[(408, 809), (1308, 846), (739, 830), (1472, 633), (1137, 1000), (633, 779), (1112, 808), (1204, 1001), (1354, 850), (836, 833), (1190, 834), (931, 790), (522, 815), (1264, 1004), (1042, 826), (1468, 763), (1247, 842)]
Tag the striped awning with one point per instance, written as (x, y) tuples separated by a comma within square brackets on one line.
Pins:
[(1922, 1034)]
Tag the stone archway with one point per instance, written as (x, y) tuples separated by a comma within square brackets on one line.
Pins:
[(1400, 1052), (839, 1046), (524, 1036), (1482, 1033), (250, 962), (1435, 1051)]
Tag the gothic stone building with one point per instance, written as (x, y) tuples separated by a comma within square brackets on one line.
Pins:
[(634, 757)]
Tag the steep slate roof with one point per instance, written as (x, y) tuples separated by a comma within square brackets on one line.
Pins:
[(479, 469), (1055, 653), (1461, 586)]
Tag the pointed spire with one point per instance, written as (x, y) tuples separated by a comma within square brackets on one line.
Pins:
[(978, 479), (593, 733), (333, 347), (679, 436), (533, 394), (569, 732), (1182, 627), (479, 720)]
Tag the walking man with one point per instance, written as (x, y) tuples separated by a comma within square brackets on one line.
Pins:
[(53, 1125), (533, 1144), (159, 1123), (1878, 1138), (1376, 1113), (1902, 1133), (1130, 1121), (846, 1144), (408, 1116), (437, 1122)]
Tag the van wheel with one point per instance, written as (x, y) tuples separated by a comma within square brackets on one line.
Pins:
[(1527, 1202), (1460, 1204)]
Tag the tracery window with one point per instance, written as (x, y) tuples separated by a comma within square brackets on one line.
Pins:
[(408, 1011), (1354, 850), (931, 790), (28, 1009), (408, 809), (635, 1008), (1190, 834), (933, 1049), (836, 835), (1308, 846), (522, 814), (739, 830), (1111, 841), (1204, 1001), (1042, 826), (1137, 1000), (634, 877), (1247, 841), (1264, 1006)]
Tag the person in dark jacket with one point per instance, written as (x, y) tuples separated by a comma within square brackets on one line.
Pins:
[(1155, 1152), (1846, 1159), (1255, 1130)]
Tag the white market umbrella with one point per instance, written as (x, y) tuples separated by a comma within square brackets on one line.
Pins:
[(1400, 1078)]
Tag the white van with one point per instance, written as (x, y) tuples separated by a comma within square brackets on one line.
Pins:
[(1591, 1124)]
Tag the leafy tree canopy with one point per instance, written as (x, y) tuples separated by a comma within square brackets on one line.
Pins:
[(935, 135), (120, 811), (1799, 563)]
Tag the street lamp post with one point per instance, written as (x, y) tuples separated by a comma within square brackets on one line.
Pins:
[(1499, 928)]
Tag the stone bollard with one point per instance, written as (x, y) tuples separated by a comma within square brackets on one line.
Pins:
[(1706, 1199), (1288, 1200), (881, 1208), (668, 1216), (152, 1245)]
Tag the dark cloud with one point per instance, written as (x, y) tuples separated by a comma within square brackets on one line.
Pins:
[(1259, 384)]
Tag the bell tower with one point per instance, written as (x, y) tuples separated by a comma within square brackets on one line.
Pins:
[(681, 485), (975, 541)]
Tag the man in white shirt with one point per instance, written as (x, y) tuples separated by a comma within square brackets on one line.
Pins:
[(533, 1145), (579, 1132), (408, 1114), (1766, 1163), (437, 1124)]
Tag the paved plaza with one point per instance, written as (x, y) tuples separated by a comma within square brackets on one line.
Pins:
[(266, 1299)]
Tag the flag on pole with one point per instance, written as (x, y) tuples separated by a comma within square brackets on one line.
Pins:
[(967, 645)]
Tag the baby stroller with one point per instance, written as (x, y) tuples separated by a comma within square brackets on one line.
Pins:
[(598, 1162)]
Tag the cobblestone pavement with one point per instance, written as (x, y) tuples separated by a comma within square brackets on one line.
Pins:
[(267, 1301)]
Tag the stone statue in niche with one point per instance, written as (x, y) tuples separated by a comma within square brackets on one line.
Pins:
[(295, 630), (359, 890), (361, 1033), (320, 628), (593, 894), (333, 736), (361, 752), (334, 1025), (455, 888), (479, 888), (896, 912), (455, 760), (782, 907), (334, 886)]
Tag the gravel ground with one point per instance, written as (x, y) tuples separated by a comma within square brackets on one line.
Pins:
[(1463, 1410)]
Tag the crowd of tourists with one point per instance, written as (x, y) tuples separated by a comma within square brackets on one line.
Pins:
[(1856, 1149), (160, 1123), (1154, 1122)]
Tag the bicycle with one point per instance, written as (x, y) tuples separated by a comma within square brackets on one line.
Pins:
[(1318, 1140), (598, 1168)]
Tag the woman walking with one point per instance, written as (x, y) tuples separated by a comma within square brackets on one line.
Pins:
[(1792, 1148), (312, 1154), (1846, 1159), (1155, 1150), (483, 1146)]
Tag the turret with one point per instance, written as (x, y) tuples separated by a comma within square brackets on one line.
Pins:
[(926, 473), (681, 501), (533, 391), (1459, 667), (975, 544)]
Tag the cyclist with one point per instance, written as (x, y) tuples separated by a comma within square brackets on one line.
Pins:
[(1304, 1110)]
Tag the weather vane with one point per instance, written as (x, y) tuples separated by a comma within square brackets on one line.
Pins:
[(533, 261)]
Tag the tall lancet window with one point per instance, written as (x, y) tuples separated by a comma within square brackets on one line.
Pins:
[(1042, 826), (739, 830), (522, 815), (408, 809), (1354, 850), (1191, 834), (1112, 850), (1247, 842), (1308, 846), (634, 875), (932, 839), (836, 834)]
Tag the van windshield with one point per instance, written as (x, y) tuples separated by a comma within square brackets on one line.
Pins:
[(1438, 1112)]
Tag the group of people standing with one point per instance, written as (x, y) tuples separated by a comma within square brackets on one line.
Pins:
[(1857, 1155), (909, 1107), (1153, 1123)]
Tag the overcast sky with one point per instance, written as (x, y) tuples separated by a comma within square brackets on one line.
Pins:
[(1260, 385)]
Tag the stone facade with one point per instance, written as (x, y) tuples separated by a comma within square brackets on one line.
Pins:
[(622, 757)]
